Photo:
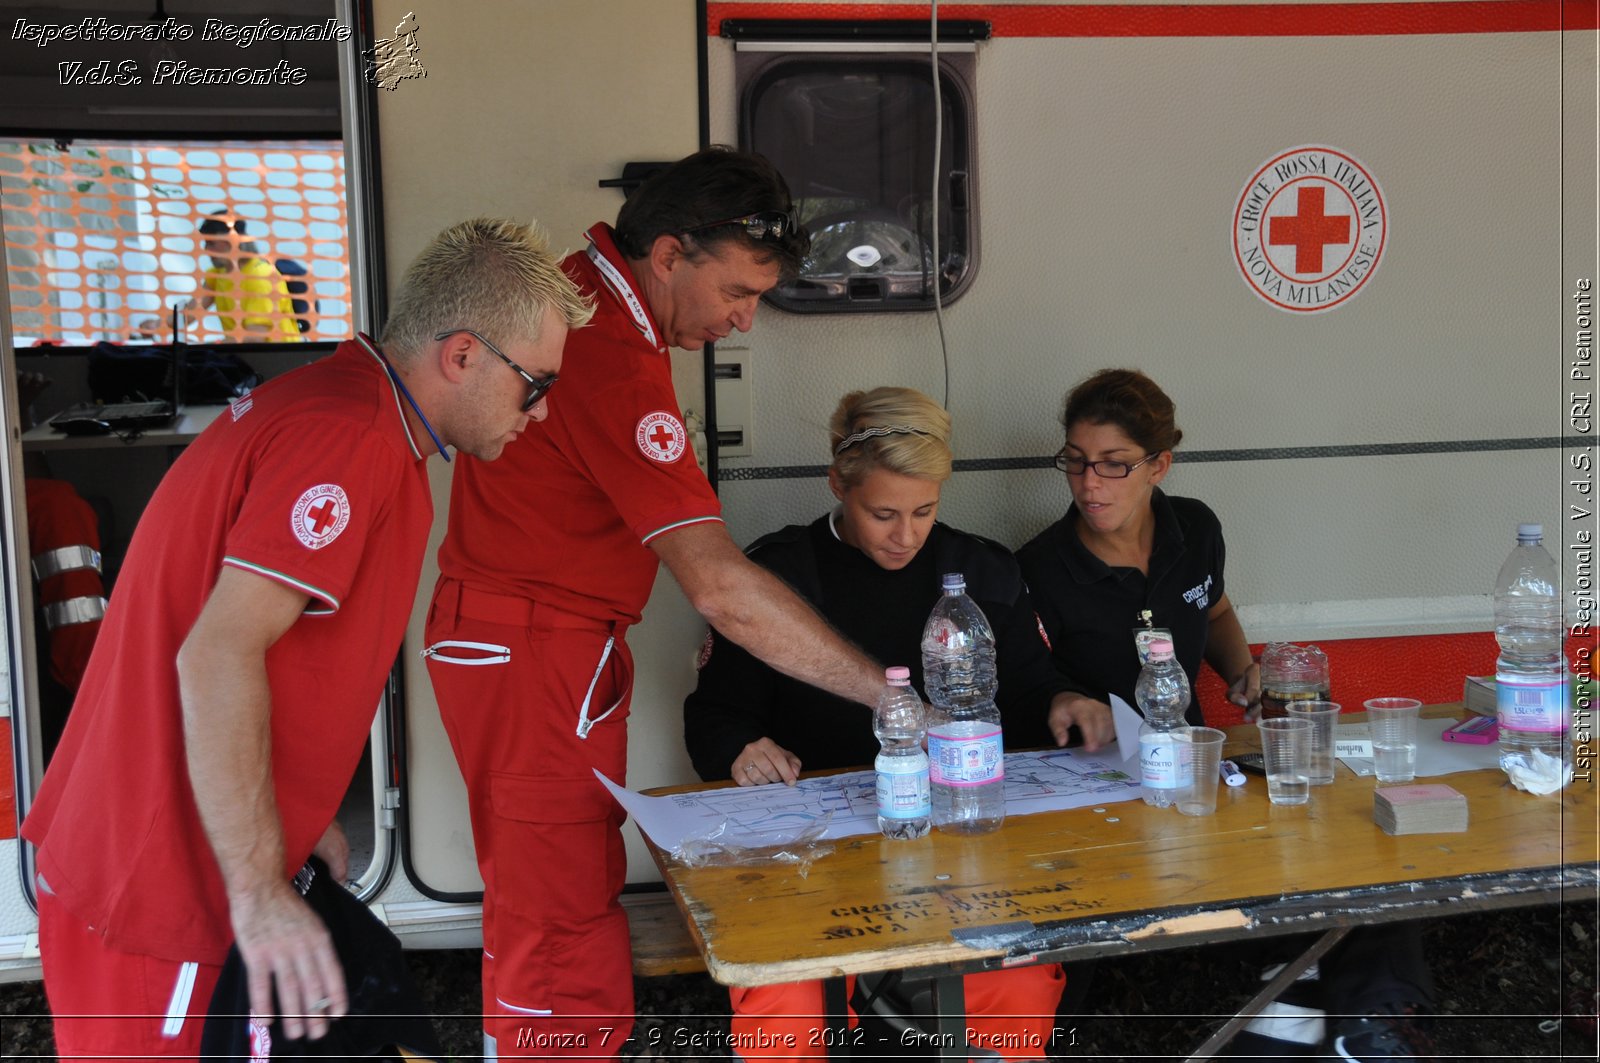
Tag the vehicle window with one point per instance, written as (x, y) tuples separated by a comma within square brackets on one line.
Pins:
[(104, 237), (853, 135)]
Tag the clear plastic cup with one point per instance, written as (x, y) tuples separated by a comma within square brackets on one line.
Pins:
[(1323, 715), (1286, 749), (1394, 738), (1201, 751)]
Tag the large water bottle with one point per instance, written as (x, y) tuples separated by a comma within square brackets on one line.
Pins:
[(1531, 676), (904, 808), (1162, 692), (967, 767)]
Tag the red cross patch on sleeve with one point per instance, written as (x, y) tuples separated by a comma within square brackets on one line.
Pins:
[(320, 514), (661, 437)]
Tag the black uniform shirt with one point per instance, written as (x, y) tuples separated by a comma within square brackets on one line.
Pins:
[(739, 699), (1090, 609)]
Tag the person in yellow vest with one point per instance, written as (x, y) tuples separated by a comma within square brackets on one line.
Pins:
[(250, 297), (239, 284)]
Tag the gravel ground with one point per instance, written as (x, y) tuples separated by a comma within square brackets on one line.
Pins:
[(1517, 984)]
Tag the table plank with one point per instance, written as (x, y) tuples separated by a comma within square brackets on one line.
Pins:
[(1125, 875)]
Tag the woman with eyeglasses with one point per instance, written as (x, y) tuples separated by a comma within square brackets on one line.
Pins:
[(872, 568), (1127, 555)]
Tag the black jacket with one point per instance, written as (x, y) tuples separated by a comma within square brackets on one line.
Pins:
[(739, 699)]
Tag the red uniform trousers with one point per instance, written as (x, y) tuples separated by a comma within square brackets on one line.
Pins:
[(513, 679), (1011, 1013), (106, 1002)]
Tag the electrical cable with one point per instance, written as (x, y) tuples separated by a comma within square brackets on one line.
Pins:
[(938, 149)]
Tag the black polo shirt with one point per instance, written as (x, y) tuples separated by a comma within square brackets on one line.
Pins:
[(1090, 609), (740, 699)]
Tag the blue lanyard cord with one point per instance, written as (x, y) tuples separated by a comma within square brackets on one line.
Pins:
[(401, 384)]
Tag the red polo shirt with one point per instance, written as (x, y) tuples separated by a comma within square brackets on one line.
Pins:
[(565, 515), (313, 480)]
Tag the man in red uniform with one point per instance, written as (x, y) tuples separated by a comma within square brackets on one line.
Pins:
[(549, 557), (235, 678)]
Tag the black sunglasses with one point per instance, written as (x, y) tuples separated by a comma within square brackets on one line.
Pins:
[(762, 225), (536, 386)]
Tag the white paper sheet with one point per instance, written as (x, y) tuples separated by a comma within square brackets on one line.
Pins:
[(756, 815), (1435, 756), (1127, 720)]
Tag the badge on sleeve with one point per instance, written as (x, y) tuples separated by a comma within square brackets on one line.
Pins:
[(661, 437), (320, 515)]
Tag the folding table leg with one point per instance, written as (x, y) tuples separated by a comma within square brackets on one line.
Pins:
[(1284, 978), (950, 1004), (835, 1005)]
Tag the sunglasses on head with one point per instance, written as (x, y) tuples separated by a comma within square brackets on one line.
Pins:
[(221, 227), (762, 225)]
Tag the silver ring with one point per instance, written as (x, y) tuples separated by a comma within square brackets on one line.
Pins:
[(748, 768), (320, 1004)]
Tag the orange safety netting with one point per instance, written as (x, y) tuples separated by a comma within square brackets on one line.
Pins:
[(103, 239)]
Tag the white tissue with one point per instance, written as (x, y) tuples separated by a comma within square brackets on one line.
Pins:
[(1538, 772)]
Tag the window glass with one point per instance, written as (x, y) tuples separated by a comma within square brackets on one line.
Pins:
[(103, 237), (854, 137)]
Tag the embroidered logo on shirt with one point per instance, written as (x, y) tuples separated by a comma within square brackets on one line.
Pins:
[(320, 515), (1199, 595), (661, 437), (260, 1039), (240, 406), (705, 651)]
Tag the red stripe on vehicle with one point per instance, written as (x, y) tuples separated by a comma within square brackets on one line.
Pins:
[(1207, 20)]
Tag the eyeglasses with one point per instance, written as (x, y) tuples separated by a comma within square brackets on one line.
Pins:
[(536, 386), (1106, 470), (761, 225)]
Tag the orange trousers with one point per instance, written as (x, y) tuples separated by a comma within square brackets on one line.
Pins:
[(1010, 1013)]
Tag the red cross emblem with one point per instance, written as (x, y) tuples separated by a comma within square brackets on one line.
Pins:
[(319, 515), (323, 516), (1309, 229), (661, 437)]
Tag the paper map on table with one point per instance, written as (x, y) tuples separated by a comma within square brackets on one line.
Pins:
[(1035, 782)]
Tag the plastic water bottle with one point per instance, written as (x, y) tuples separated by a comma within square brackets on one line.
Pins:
[(1163, 696), (904, 809), (967, 766), (1530, 676)]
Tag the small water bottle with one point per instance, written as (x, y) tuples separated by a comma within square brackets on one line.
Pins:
[(1531, 676), (1163, 696), (967, 767), (904, 809)]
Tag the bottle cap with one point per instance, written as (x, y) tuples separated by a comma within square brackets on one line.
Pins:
[(1530, 533), (953, 581), (898, 676), (1161, 650)]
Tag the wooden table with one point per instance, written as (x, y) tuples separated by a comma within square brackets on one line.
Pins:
[(1122, 877)]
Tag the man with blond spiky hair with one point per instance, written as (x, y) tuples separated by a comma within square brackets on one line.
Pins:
[(233, 684)]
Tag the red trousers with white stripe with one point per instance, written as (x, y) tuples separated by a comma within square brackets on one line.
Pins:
[(106, 1002), (1011, 1013), (513, 680)]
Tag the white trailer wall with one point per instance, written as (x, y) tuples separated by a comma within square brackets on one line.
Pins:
[(1109, 170)]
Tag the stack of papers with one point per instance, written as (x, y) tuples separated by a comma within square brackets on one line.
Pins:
[(1432, 808)]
